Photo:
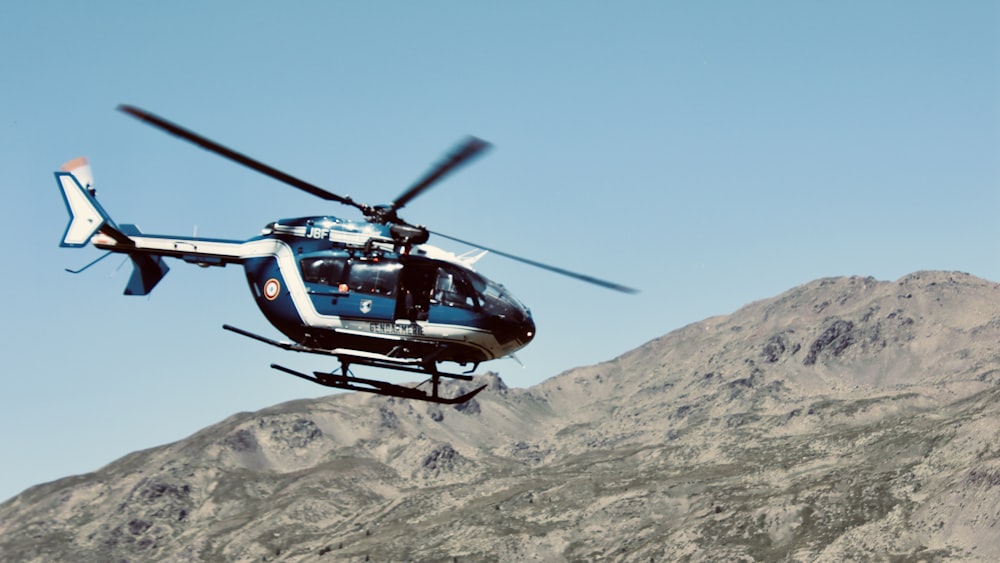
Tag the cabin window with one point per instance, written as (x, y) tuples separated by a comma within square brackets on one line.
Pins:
[(326, 271), (374, 278)]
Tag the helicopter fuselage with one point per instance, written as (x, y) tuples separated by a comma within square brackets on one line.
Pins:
[(329, 283)]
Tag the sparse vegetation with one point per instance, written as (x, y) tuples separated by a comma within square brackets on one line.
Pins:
[(881, 441)]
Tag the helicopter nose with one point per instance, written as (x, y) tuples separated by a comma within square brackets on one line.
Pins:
[(523, 333), (527, 330), (513, 334)]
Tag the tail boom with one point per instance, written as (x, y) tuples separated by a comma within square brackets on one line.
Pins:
[(89, 223)]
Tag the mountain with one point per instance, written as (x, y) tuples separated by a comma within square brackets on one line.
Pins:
[(844, 419)]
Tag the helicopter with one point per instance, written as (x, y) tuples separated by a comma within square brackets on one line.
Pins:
[(367, 292)]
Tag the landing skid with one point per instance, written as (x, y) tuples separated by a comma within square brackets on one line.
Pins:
[(353, 383), (344, 380)]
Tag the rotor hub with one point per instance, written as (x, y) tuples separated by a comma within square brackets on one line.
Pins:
[(409, 235)]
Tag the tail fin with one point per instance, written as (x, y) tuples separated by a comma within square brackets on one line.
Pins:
[(86, 216)]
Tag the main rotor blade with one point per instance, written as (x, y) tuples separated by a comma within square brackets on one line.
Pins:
[(574, 275), (465, 151), (218, 149)]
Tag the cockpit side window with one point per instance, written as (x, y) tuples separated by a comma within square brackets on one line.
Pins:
[(325, 270), (452, 289)]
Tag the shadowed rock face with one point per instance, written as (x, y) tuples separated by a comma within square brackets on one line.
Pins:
[(847, 418)]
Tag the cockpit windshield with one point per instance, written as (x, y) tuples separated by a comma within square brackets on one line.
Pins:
[(494, 298)]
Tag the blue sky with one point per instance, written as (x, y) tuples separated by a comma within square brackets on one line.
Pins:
[(708, 153)]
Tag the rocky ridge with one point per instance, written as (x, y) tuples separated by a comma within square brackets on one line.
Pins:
[(847, 418)]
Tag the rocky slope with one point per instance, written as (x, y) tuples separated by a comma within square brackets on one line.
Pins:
[(845, 419)]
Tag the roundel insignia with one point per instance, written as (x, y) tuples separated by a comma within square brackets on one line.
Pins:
[(271, 289)]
